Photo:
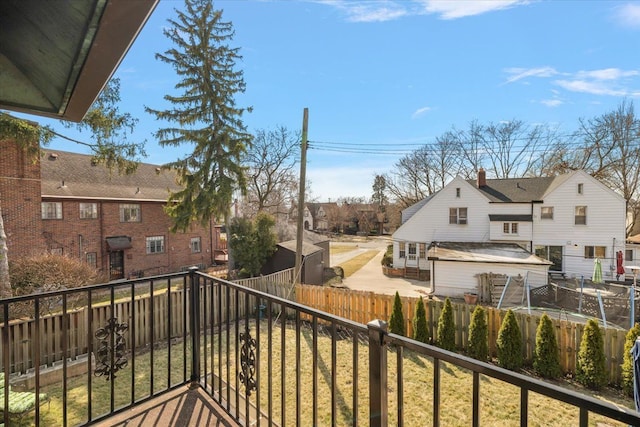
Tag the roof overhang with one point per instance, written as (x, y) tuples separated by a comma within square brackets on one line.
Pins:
[(118, 243), (55, 57)]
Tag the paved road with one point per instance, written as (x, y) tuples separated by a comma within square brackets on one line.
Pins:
[(370, 277)]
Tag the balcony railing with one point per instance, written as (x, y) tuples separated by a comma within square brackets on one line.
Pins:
[(86, 354)]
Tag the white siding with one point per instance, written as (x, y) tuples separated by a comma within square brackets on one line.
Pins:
[(453, 279), (605, 224), (497, 234)]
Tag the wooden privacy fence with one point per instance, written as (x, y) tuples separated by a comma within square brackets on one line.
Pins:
[(363, 307)]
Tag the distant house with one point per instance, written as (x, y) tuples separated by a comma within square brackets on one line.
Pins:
[(569, 220), (285, 257), (66, 204)]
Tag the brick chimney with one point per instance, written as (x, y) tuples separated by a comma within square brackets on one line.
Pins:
[(482, 178)]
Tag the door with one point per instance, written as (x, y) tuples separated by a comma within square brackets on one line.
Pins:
[(116, 265)]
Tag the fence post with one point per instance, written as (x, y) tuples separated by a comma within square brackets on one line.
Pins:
[(378, 402), (194, 280)]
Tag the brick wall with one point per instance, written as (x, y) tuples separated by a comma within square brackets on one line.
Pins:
[(20, 200)]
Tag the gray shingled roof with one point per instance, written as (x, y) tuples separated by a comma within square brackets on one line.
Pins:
[(72, 175), (516, 190), (307, 248)]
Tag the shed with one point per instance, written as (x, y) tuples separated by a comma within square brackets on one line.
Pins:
[(285, 257), (455, 266), (321, 241)]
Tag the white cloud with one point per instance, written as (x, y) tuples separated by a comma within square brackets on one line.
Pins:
[(388, 10), (628, 15), (420, 112), (453, 9), (522, 73), (552, 102), (606, 74), (592, 87)]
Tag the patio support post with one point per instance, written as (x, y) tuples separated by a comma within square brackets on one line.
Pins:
[(194, 324), (378, 402)]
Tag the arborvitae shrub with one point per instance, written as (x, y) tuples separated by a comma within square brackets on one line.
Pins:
[(546, 360), (509, 343), (446, 329), (420, 332), (627, 360), (478, 347), (590, 370), (396, 322)]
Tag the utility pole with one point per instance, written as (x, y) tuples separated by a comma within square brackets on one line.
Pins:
[(303, 172)]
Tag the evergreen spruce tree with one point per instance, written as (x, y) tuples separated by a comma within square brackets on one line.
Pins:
[(420, 331), (446, 329), (627, 360), (546, 360), (478, 347), (509, 343), (396, 322), (590, 370), (204, 116)]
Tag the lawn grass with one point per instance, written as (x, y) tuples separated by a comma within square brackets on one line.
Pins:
[(356, 263), (341, 249), (499, 401)]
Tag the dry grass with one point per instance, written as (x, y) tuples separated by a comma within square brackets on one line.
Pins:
[(499, 402), (356, 263), (341, 249)]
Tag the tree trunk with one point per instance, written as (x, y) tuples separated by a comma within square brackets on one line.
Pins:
[(5, 282)]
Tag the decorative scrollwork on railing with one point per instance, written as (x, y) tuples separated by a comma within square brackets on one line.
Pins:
[(248, 362), (112, 332)]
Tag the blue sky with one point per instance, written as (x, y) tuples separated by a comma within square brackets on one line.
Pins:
[(393, 75)]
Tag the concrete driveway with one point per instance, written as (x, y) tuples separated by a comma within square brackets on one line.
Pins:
[(370, 277)]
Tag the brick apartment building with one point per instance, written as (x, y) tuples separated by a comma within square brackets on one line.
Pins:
[(63, 203)]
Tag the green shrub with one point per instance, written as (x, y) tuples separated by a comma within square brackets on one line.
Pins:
[(396, 322), (509, 343), (446, 329), (420, 331), (546, 359), (387, 258), (627, 360), (590, 370), (478, 346)]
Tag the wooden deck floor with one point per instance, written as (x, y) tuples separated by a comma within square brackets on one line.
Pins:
[(184, 406)]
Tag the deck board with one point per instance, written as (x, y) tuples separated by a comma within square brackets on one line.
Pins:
[(185, 406)]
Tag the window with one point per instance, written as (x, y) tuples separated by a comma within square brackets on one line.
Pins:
[(402, 250), (628, 255), (92, 259), (155, 245), (595, 251), (510, 228), (196, 245), (423, 250), (130, 213), (56, 251), (581, 215), (546, 212), (457, 215), (51, 210), (514, 228), (458, 192), (580, 188), (88, 210), (551, 253)]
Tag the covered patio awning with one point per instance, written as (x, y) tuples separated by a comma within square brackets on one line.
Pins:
[(118, 243)]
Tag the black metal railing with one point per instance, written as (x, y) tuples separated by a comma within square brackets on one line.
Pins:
[(83, 355)]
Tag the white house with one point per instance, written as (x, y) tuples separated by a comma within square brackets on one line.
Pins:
[(569, 220)]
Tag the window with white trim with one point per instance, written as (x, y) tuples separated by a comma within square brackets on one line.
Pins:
[(88, 210), (92, 259), (457, 215), (130, 212), (510, 228), (581, 215), (595, 251), (423, 250), (51, 210), (196, 245), (412, 251), (546, 212), (155, 244), (401, 248)]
